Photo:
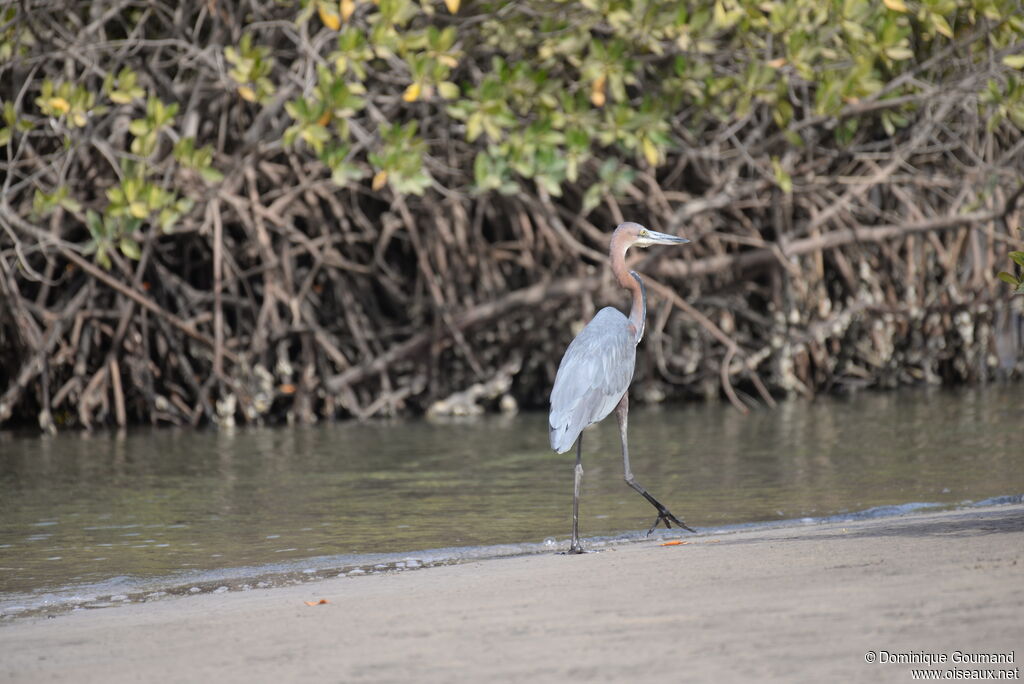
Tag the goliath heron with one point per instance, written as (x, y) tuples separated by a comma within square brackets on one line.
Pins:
[(594, 375)]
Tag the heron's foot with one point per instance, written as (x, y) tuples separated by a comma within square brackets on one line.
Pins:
[(665, 515), (575, 548)]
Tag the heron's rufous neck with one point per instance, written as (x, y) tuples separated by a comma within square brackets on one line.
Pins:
[(637, 312)]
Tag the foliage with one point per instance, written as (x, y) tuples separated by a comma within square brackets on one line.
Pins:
[(567, 88), (1017, 281), (68, 103), (366, 137), (251, 68)]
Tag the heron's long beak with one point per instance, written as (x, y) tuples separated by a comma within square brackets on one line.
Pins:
[(651, 237)]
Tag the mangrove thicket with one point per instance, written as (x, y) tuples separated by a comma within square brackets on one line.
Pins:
[(250, 211)]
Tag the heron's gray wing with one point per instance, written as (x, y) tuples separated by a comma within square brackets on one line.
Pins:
[(593, 375)]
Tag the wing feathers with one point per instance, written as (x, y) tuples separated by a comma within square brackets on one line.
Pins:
[(593, 375)]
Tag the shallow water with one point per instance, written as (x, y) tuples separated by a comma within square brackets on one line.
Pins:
[(107, 509)]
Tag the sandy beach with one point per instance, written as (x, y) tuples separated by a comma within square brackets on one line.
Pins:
[(801, 603)]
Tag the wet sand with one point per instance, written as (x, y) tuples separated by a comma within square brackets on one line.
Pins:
[(802, 603)]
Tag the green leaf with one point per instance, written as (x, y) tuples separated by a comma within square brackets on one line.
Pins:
[(448, 90), (550, 184), (168, 113), (70, 203), (887, 124), (101, 256), (1014, 61), (474, 126), (782, 177), (1008, 278), (940, 24), (481, 170), (793, 138), (130, 248), (211, 175), (344, 173), (1018, 258), (167, 219), (592, 198), (651, 152), (95, 225)]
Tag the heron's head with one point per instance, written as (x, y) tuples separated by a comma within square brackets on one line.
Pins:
[(633, 234)]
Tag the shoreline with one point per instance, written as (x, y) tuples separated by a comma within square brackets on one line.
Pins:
[(123, 591), (778, 603)]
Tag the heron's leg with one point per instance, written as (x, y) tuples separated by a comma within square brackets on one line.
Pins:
[(575, 547), (621, 413)]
